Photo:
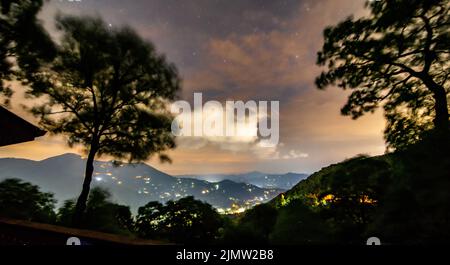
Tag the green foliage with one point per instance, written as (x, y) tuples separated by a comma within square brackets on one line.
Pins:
[(415, 209), (101, 213), (398, 58), (298, 224), (150, 219), (65, 213), (23, 200), (254, 227), (184, 221), (294, 224), (260, 219)]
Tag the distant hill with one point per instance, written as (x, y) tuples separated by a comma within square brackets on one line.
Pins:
[(130, 184), (259, 179), (347, 176)]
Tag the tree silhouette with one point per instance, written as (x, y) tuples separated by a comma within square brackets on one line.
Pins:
[(23, 38), (107, 90), (101, 214), (297, 224), (23, 200), (397, 57), (184, 221), (253, 227), (148, 220), (415, 208)]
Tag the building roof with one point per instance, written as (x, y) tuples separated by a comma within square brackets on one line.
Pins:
[(14, 130)]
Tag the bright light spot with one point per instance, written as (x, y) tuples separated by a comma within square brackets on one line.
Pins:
[(240, 210)]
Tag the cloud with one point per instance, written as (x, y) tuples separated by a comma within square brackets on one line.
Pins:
[(277, 152), (293, 154)]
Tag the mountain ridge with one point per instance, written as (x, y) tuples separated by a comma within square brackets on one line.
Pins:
[(130, 184), (260, 179)]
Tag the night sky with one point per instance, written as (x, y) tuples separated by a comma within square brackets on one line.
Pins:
[(239, 50)]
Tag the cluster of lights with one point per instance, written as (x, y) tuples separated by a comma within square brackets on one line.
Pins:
[(182, 187), (234, 209)]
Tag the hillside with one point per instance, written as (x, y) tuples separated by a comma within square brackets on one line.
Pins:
[(359, 175)]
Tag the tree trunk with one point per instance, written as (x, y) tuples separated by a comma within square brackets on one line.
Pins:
[(82, 199), (441, 119)]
